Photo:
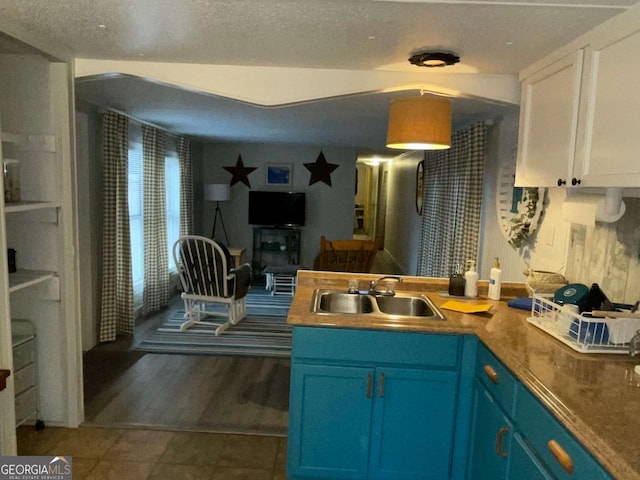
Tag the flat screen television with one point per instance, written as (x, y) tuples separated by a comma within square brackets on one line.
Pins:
[(281, 209)]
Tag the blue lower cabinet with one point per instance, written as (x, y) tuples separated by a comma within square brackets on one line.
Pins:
[(524, 464), (353, 414), (536, 446), (329, 421), (368, 404), (413, 424), (560, 452), (491, 433)]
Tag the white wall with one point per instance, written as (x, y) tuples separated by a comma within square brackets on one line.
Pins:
[(402, 235), (89, 193), (329, 209), (546, 249)]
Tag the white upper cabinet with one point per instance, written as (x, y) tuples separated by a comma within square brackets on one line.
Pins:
[(580, 111), (609, 128), (548, 121)]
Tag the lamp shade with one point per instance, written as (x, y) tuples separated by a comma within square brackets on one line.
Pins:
[(216, 192), (419, 123)]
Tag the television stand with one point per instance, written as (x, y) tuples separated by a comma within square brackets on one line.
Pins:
[(274, 247)]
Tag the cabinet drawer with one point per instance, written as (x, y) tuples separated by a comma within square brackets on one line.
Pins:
[(26, 404), (24, 378), (338, 344), (496, 378), (539, 427), (23, 355)]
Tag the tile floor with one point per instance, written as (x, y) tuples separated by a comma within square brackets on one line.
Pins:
[(123, 454)]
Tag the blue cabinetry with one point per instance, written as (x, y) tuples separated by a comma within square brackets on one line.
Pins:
[(413, 423), (515, 437), (372, 404), (523, 462), (368, 404), (564, 457), (330, 420), (491, 432)]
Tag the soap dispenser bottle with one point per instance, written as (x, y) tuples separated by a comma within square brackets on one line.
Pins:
[(471, 280), (456, 282), (495, 280)]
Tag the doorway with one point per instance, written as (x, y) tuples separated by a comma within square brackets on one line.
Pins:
[(365, 201)]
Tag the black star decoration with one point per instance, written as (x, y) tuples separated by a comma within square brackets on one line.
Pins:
[(320, 170), (240, 172)]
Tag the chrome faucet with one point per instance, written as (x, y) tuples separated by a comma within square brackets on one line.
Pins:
[(373, 286)]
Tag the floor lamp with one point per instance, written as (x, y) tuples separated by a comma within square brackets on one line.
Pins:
[(217, 192)]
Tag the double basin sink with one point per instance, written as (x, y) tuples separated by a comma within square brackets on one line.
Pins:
[(400, 305)]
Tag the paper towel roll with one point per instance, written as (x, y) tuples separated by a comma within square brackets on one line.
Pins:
[(589, 209)]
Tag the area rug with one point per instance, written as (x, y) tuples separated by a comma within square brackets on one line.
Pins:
[(263, 333)]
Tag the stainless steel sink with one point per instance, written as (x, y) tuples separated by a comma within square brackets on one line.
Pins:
[(397, 306), (406, 306), (340, 302)]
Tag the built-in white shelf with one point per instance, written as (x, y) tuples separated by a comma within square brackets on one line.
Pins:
[(27, 278), (11, 137), (31, 143), (28, 206)]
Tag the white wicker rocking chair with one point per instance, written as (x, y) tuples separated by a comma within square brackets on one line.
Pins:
[(207, 278)]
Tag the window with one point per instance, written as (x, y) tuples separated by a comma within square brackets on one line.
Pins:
[(172, 189), (136, 223), (136, 209)]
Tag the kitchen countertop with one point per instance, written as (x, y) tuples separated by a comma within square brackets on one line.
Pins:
[(595, 396)]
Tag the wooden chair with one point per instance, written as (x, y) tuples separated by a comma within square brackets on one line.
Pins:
[(207, 278), (346, 255)]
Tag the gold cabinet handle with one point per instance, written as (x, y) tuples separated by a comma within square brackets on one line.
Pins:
[(561, 456), (369, 385), (381, 386), (499, 435), (491, 373)]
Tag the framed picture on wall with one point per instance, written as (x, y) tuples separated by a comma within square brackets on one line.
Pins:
[(279, 174)]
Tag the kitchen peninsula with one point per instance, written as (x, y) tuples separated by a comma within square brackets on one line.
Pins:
[(594, 397)]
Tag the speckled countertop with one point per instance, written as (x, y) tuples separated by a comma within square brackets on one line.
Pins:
[(597, 397)]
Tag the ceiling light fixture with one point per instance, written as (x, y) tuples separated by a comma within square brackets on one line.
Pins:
[(419, 123), (434, 59)]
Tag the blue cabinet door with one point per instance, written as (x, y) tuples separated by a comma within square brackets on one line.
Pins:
[(523, 464), (491, 437), (539, 427), (329, 421), (413, 424)]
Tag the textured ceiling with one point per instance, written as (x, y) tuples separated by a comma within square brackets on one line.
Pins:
[(342, 34), (491, 37)]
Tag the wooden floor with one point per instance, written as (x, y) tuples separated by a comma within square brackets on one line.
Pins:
[(124, 387)]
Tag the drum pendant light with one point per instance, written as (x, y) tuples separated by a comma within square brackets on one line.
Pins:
[(419, 123)]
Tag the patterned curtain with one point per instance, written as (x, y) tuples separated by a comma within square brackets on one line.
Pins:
[(117, 288), (186, 187), (452, 202), (156, 263)]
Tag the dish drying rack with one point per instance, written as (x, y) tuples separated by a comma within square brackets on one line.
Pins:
[(582, 333)]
